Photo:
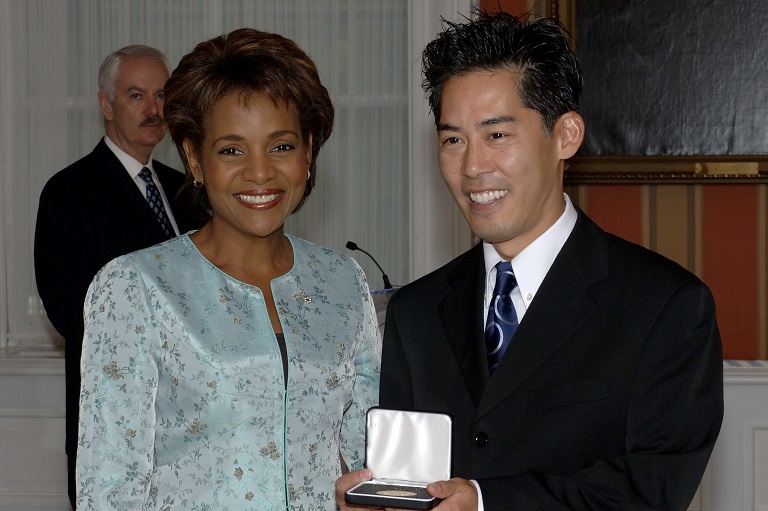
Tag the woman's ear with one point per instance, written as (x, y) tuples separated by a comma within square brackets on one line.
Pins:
[(309, 149), (569, 128), (191, 155)]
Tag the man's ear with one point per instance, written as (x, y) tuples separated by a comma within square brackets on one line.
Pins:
[(105, 104), (194, 165), (569, 129)]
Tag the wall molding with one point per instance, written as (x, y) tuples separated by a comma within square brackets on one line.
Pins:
[(51, 364), (745, 372), (756, 464)]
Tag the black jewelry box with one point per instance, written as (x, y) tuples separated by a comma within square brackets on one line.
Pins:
[(405, 451)]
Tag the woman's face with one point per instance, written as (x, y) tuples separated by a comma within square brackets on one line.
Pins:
[(254, 164)]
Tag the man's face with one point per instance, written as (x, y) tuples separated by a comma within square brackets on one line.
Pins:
[(135, 115), (502, 169)]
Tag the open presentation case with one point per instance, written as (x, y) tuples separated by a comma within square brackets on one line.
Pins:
[(405, 451)]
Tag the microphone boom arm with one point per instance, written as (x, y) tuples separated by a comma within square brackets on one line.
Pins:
[(351, 245)]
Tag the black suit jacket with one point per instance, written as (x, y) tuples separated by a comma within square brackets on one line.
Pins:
[(609, 397), (90, 213)]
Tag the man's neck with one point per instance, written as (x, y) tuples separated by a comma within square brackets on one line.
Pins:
[(141, 157)]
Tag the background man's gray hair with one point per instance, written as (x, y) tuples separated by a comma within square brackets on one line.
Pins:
[(108, 69)]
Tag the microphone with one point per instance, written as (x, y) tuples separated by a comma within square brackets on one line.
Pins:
[(353, 246)]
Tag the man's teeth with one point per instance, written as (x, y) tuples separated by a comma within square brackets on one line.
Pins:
[(486, 197), (258, 199)]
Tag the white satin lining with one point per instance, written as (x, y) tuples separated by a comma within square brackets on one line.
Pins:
[(408, 446)]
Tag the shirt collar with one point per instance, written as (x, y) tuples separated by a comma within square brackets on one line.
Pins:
[(131, 164), (534, 261)]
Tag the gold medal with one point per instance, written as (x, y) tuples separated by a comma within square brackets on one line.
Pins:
[(397, 493)]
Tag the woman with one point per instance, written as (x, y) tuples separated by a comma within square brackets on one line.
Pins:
[(231, 367)]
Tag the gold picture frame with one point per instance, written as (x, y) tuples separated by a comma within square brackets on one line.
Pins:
[(666, 169)]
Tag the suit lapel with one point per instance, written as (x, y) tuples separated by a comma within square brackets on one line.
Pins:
[(123, 193), (562, 304), (461, 317)]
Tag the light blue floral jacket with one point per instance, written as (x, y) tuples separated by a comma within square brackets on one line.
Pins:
[(183, 402)]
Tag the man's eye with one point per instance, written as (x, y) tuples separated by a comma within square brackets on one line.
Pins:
[(451, 140), (230, 151), (497, 136), (136, 96)]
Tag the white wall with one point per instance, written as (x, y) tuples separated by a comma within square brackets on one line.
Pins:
[(738, 469), (438, 231), (32, 417), (33, 466)]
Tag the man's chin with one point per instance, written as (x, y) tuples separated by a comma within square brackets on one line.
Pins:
[(488, 227), (153, 142), (154, 137), (492, 232)]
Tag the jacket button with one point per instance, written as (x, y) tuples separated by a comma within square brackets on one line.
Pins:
[(481, 439)]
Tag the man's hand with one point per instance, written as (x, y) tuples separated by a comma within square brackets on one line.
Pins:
[(346, 482), (456, 494)]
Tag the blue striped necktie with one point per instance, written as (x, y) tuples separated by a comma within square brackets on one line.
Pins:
[(502, 318), (156, 202)]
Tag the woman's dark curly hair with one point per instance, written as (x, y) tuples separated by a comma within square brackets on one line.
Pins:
[(244, 62)]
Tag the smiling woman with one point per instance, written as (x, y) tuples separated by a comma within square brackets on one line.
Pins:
[(251, 354), (362, 51), (254, 166), (50, 117)]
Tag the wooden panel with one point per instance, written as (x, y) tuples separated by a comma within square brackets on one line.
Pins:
[(739, 451), (712, 230), (33, 466), (756, 465), (730, 264), (511, 6), (762, 271), (617, 209), (563, 10), (672, 224), (34, 463)]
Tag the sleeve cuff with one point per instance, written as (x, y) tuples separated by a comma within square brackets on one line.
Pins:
[(479, 495)]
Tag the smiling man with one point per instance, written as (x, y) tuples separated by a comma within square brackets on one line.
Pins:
[(582, 372), (115, 200)]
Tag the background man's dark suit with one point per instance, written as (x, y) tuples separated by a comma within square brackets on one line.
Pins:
[(90, 213), (596, 404)]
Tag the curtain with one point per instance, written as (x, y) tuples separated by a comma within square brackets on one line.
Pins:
[(50, 52)]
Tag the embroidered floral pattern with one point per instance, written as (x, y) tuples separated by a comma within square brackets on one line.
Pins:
[(184, 399), (270, 450)]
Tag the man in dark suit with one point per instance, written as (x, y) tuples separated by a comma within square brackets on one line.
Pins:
[(97, 208), (608, 395)]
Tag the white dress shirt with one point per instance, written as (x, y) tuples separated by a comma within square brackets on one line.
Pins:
[(133, 166), (532, 263), (530, 267)]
